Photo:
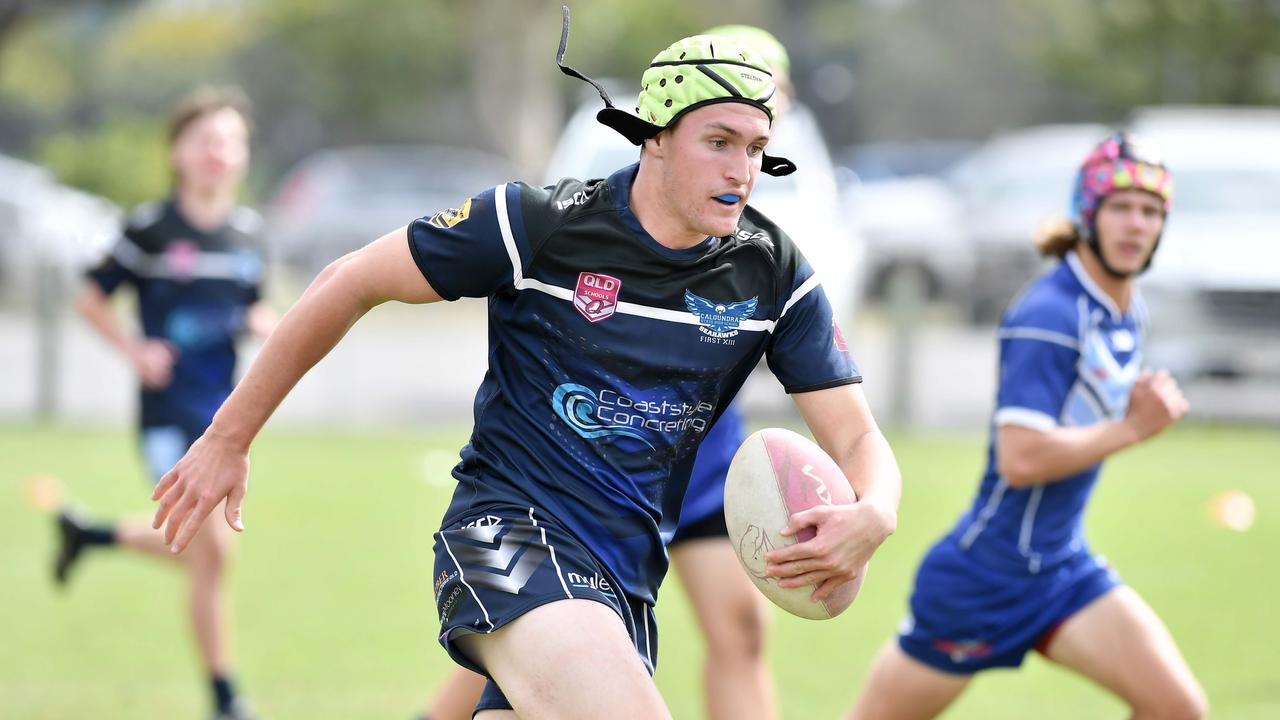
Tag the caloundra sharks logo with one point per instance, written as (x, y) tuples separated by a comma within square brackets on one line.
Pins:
[(719, 320)]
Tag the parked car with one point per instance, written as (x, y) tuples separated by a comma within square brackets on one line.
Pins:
[(45, 224), (804, 204), (1006, 189), (1214, 286), (912, 223), (875, 162), (339, 199)]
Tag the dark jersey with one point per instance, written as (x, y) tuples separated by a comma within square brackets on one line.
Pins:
[(610, 355), (193, 290)]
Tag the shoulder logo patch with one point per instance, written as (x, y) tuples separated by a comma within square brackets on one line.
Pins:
[(596, 296), (719, 320), (448, 218)]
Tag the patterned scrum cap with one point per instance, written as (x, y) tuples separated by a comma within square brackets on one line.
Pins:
[(1121, 162)]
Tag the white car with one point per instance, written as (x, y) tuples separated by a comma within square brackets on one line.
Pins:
[(337, 199), (1214, 286), (1007, 188), (44, 224), (805, 204)]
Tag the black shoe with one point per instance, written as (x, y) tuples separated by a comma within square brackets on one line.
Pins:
[(239, 710), (71, 529)]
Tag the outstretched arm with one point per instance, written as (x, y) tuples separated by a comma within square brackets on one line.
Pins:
[(847, 535), (217, 465)]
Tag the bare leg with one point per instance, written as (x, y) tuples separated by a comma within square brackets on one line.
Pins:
[(137, 534), (567, 660), (206, 564), (1120, 643), (900, 687), (457, 697), (734, 619)]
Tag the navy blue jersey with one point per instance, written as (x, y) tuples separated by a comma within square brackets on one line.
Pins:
[(1068, 357), (193, 289), (610, 355)]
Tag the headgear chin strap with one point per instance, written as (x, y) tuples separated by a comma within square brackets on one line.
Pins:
[(689, 74)]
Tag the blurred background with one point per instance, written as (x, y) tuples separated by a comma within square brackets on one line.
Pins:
[(932, 137)]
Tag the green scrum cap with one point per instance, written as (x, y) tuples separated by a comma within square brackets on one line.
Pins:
[(694, 72), (760, 40)]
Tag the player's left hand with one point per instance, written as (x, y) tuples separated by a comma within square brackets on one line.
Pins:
[(212, 470), (847, 536)]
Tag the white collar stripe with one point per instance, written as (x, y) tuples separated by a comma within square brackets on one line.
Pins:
[(1082, 276)]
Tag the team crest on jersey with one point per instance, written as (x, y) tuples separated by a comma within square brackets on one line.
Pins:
[(719, 321), (596, 296), (182, 257), (448, 218)]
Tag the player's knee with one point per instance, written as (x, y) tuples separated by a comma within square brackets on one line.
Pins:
[(1188, 703), (743, 631), (211, 550)]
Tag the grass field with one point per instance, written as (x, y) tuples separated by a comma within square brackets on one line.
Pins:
[(335, 620)]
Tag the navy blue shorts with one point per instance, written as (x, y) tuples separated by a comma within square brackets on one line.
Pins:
[(702, 511), (498, 563), (968, 615)]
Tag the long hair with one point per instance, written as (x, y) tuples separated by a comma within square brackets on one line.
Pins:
[(1056, 237)]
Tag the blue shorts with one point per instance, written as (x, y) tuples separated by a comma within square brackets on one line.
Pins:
[(162, 447), (702, 511), (497, 563), (969, 615)]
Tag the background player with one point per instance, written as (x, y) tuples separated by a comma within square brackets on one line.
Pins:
[(1016, 573), (195, 262), (549, 558)]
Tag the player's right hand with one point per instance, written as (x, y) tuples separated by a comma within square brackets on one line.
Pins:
[(213, 469), (153, 362), (1155, 403)]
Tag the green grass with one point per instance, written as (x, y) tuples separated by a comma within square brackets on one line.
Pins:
[(334, 617)]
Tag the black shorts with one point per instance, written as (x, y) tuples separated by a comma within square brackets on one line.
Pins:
[(712, 526), (496, 564)]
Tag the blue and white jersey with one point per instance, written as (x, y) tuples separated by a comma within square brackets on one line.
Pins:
[(1068, 357), (193, 289), (610, 355)]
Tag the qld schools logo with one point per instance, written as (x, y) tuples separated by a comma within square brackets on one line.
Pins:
[(719, 320), (596, 296)]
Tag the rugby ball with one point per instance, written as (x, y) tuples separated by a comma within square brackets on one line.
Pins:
[(774, 474)]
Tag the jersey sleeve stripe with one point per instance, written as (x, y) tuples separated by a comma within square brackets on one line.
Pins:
[(1033, 333), (1025, 417), (805, 288), (508, 239)]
